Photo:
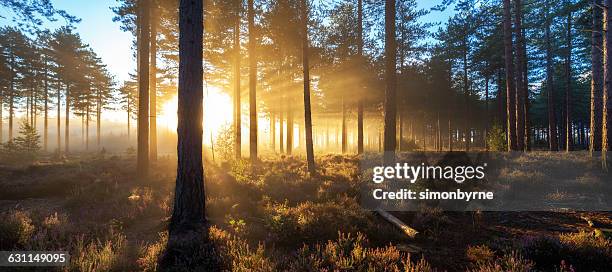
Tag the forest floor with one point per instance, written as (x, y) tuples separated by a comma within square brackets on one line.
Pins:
[(274, 216)]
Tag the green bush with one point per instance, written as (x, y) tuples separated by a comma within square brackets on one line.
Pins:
[(496, 138), (22, 149), (16, 229)]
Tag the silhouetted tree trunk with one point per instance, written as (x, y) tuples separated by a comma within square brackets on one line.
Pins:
[(568, 89), (466, 94), (281, 125), (390, 81), (344, 132), (552, 123), (360, 55), (521, 85), (252, 83), (153, 83), (59, 116), (289, 127), (596, 79), (510, 88), (67, 121), (46, 109), (237, 103), (188, 214), (143, 89), (98, 118), (307, 113)]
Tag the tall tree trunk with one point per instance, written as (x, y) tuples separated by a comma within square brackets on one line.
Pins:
[(188, 214), (568, 89), (607, 41), (273, 130), (466, 93), (153, 83), (98, 119), (289, 127), (87, 126), (237, 103), (59, 108), (129, 128), (596, 79), (510, 88), (360, 55), (143, 90), (46, 121), (521, 85), (552, 123), (390, 80), (307, 113), (344, 130), (487, 115), (252, 83), (11, 110), (67, 121), (281, 126)]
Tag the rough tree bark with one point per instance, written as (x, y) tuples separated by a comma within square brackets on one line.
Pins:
[(596, 79), (568, 86), (153, 83), (510, 88), (237, 103), (521, 87), (307, 111), (142, 164), (607, 41), (360, 56), (252, 84), (390, 81), (189, 198), (552, 123)]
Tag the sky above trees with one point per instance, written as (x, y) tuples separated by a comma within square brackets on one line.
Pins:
[(114, 46)]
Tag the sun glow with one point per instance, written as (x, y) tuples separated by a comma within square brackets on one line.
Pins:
[(218, 111)]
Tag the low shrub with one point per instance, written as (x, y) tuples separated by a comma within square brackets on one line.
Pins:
[(16, 230)]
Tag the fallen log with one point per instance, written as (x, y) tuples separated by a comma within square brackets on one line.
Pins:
[(398, 223)]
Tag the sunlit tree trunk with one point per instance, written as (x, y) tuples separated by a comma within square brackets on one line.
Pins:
[(252, 84), (390, 81), (153, 83), (596, 79), (143, 89), (487, 115), (273, 131), (289, 127), (510, 88), (188, 214), (552, 123), (306, 68), (237, 103), (521, 85)]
